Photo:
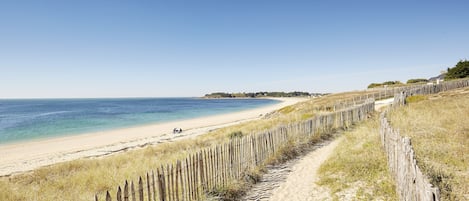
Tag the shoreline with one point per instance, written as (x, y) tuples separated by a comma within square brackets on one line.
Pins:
[(118, 127), (25, 156)]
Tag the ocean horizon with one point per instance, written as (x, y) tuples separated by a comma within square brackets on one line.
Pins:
[(32, 119)]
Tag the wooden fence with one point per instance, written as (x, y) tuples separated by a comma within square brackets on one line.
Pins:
[(400, 98), (219, 166), (389, 92), (412, 184), (377, 94)]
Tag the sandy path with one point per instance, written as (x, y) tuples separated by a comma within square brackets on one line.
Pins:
[(25, 156), (383, 103), (300, 183), (296, 179)]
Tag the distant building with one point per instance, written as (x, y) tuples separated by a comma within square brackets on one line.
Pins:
[(438, 79)]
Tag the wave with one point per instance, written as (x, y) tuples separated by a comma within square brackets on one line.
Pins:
[(51, 113)]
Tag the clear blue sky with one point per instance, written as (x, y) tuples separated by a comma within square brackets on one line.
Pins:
[(92, 48)]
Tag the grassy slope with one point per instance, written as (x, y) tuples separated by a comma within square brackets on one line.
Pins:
[(81, 179), (358, 166), (439, 128)]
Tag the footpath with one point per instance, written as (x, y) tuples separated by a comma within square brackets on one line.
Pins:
[(296, 179)]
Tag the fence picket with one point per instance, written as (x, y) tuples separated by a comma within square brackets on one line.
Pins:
[(169, 183), (172, 174), (178, 166), (153, 184), (140, 188), (126, 191), (132, 191), (108, 196), (160, 185), (119, 194), (216, 166), (194, 174), (188, 180)]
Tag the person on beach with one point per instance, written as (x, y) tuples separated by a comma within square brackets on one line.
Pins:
[(177, 130)]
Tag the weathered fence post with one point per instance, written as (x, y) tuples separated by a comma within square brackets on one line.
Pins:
[(119, 194), (126, 191), (140, 188), (132, 189), (108, 196), (159, 183)]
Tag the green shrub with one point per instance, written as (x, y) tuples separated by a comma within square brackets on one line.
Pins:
[(374, 85), (286, 110), (419, 80), (236, 134), (461, 70), (415, 98)]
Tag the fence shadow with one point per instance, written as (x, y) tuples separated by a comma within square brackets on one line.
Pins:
[(218, 166)]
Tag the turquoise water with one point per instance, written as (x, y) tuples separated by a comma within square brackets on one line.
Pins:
[(28, 119)]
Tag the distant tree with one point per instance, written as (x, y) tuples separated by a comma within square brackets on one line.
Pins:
[(418, 80), (218, 95), (257, 94), (374, 85), (461, 70), (392, 82), (238, 95), (252, 95)]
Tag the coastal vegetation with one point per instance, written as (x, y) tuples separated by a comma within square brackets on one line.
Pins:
[(439, 129), (461, 70), (81, 179), (261, 94), (359, 163), (417, 81), (387, 83), (398, 83), (358, 166)]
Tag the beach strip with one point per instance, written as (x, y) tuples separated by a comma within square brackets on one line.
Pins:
[(26, 156)]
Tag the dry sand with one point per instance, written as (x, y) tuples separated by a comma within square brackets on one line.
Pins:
[(296, 180), (301, 182), (379, 105), (26, 156)]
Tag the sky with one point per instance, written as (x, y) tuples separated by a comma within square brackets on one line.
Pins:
[(89, 48)]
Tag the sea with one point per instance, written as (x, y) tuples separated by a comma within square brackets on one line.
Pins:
[(31, 119)]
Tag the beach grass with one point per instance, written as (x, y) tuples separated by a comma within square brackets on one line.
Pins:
[(82, 179), (439, 129), (357, 168)]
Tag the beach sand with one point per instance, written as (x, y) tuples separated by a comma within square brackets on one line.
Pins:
[(26, 156)]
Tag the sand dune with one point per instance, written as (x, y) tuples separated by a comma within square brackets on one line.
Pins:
[(25, 156)]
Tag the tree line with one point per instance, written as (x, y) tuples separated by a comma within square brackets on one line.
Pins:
[(260, 94), (460, 70)]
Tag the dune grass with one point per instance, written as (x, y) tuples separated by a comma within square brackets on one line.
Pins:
[(357, 168), (81, 179), (439, 128)]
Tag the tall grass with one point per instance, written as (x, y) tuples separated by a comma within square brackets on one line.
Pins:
[(439, 128), (81, 179), (358, 168)]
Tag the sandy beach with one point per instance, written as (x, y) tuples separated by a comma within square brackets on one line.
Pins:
[(26, 156)]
